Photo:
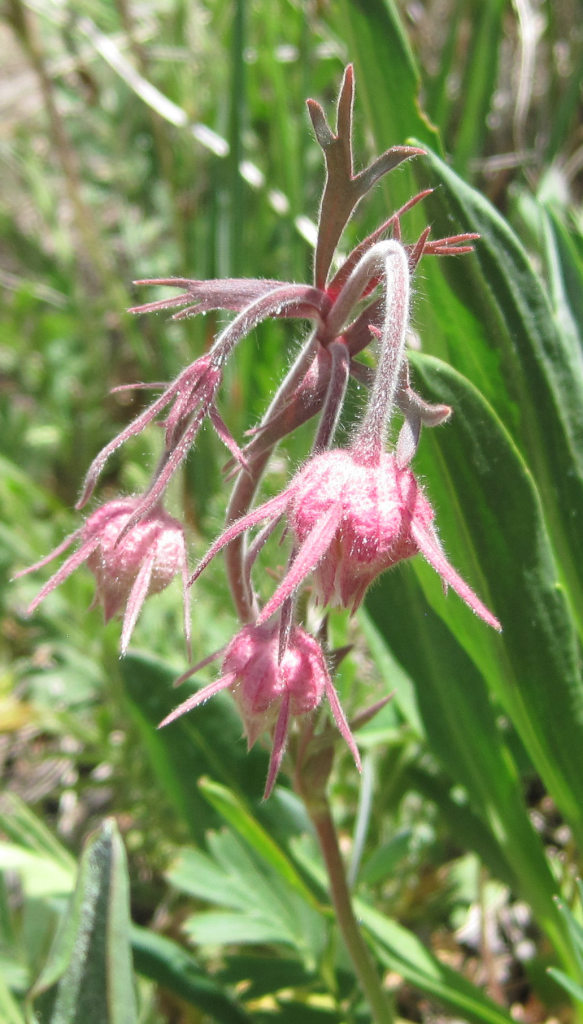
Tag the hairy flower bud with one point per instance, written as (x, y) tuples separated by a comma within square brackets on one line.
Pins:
[(352, 519), (128, 566), (378, 505), (263, 680), (155, 542), (270, 685)]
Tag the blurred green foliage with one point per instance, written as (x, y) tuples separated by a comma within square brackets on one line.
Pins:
[(170, 138)]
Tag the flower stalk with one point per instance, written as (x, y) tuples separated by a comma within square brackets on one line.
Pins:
[(364, 967)]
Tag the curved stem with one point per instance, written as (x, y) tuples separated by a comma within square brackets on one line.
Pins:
[(339, 374), (247, 483), (371, 436)]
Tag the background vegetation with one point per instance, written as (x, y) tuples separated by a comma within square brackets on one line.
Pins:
[(170, 137)]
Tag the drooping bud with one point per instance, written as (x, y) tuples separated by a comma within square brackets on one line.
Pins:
[(377, 507), (263, 681), (128, 566), (269, 686)]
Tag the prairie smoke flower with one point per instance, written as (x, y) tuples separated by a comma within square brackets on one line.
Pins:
[(356, 512), (128, 564), (351, 521), (270, 685), (329, 303)]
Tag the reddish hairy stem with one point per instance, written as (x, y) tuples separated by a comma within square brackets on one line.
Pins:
[(371, 436), (357, 949), (247, 484)]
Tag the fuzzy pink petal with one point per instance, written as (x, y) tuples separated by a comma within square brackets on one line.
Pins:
[(273, 507), (160, 304), (229, 293), (226, 436), (309, 554), (341, 723), (279, 741), (287, 300), (175, 457), (137, 425), (137, 596), (305, 303), (199, 698), (68, 567), (433, 554), (66, 543)]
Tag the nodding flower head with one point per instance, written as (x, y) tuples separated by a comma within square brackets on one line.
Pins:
[(378, 512), (270, 685), (128, 564), (351, 521)]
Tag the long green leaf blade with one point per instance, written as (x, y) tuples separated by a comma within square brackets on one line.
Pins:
[(506, 340), (489, 507), (173, 968), (90, 961)]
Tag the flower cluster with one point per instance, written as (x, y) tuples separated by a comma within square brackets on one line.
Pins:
[(351, 513)]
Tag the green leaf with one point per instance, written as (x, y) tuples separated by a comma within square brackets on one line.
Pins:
[(220, 928), (461, 729), (27, 830), (570, 986), (166, 963), (479, 81), (262, 906), (385, 859), (89, 968), (489, 512), (497, 327), (41, 875), (564, 269), (10, 1012), (491, 519), (403, 952), (233, 810), (388, 79)]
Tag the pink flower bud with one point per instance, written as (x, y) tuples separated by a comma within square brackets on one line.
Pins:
[(269, 686), (128, 566), (377, 505), (262, 680), (352, 519), (157, 541)]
